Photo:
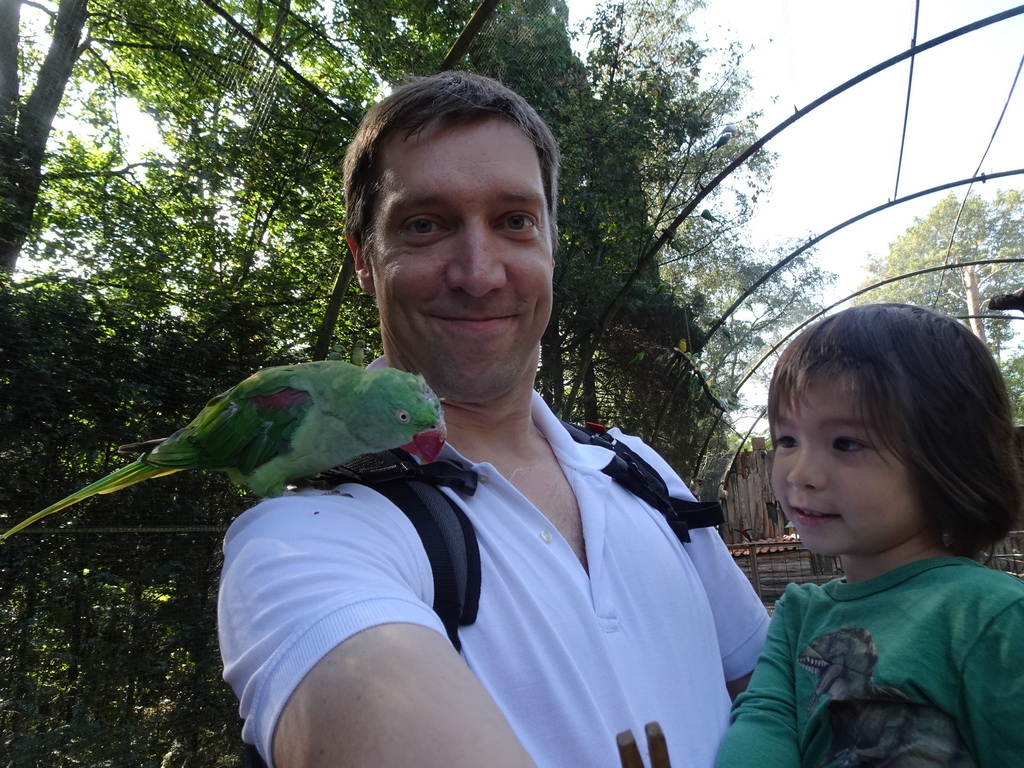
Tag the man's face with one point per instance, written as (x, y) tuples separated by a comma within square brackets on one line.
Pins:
[(460, 258)]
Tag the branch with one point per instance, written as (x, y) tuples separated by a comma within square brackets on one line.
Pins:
[(325, 331), (704, 384), (25, 128), (39, 7), (669, 232), (312, 87), (879, 284), (101, 174), (41, 106), (111, 43), (9, 35), (815, 240), (459, 48)]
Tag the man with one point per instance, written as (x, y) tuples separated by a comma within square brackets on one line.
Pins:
[(593, 617)]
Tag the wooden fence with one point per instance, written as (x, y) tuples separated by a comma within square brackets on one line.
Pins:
[(767, 549), (751, 509)]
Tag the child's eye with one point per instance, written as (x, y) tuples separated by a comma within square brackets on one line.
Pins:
[(847, 444), (785, 441)]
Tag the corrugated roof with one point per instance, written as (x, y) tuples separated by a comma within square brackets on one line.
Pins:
[(786, 543)]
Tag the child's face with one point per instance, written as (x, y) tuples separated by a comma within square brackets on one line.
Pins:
[(844, 491)]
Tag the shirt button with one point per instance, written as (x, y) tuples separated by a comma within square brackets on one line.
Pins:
[(546, 536)]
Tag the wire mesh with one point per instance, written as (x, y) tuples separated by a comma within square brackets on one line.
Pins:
[(158, 274)]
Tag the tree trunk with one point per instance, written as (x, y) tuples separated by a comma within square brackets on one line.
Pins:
[(25, 128), (974, 301), (325, 333)]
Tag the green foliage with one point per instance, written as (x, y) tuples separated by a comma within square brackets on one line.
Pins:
[(150, 282), (109, 655), (1013, 374), (986, 229), (154, 278)]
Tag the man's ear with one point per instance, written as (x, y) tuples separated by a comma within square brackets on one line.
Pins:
[(363, 270)]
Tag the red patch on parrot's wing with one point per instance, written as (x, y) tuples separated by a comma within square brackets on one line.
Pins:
[(426, 445), (286, 398)]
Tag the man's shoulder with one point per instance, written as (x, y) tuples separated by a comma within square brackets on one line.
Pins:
[(345, 513)]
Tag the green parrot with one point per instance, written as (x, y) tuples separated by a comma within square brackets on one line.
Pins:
[(285, 423)]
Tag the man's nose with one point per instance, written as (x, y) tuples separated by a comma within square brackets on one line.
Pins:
[(476, 264)]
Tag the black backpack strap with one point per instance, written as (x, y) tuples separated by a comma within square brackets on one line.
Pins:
[(638, 477), (451, 545), (447, 534), (251, 757), (373, 469)]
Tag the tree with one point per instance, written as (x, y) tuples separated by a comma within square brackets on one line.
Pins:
[(985, 229), (109, 654), (244, 200), (25, 125), (637, 122), (144, 285), (982, 230), (147, 282)]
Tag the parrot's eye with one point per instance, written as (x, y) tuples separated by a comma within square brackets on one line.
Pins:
[(402, 416)]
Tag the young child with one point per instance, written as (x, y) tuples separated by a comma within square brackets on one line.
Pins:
[(894, 449)]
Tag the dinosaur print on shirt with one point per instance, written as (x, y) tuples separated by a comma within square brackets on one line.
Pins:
[(875, 726)]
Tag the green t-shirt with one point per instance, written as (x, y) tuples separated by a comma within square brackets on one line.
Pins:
[(922, 666)]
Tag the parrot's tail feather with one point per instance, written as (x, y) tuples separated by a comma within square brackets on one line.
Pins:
[(131, 449), (131, 474)]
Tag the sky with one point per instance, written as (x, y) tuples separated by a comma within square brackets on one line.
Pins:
[(842, 158)]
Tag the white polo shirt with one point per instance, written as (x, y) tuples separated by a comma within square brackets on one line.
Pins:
[(651, 633)]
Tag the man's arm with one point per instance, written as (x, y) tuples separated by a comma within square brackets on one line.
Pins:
[(764, 718), (395, 694)]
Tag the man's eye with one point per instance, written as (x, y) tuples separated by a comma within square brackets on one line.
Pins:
[(421, 226), (519, 221)]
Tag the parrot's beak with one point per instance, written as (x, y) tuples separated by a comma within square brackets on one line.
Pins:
[(426, 445)]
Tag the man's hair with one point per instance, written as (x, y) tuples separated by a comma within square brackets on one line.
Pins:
[(452, 98), (929, 390)]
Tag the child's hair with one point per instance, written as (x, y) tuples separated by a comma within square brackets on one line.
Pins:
[(930, 391)]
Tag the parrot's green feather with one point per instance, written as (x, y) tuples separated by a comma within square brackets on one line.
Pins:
[(231, 431), (256, 451), (134, 473), (283, 424)]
